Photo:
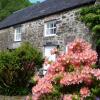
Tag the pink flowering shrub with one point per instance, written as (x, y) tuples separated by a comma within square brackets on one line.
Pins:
[(72, 75)]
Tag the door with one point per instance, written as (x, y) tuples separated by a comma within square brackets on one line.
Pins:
[(47, 54)]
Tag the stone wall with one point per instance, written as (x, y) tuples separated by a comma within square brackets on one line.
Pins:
[(4, 39), (12, 97), (68, 28)]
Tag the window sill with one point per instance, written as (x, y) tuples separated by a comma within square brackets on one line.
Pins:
[(50, 35), (17, 40)]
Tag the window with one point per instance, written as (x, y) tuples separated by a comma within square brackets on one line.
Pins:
[(17, 34), (50, 28)]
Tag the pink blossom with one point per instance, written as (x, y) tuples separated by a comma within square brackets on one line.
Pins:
[(81, 53), (71, 78), (67, 97), (96, 73), (85, 92)]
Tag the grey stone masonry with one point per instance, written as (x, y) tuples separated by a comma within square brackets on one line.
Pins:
[(4, 39), (68, 28), (12, 97)]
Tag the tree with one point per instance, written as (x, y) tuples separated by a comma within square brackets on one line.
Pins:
[(7, 7)]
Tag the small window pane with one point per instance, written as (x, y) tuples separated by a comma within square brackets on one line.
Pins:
[(51, 31), (51, 25), (54, 30), (54, 24), (18, 30), (18, 37), (48, 31)]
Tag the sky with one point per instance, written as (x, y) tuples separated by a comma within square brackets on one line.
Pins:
[(34, 1)]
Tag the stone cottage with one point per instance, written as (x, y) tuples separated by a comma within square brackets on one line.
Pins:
[(52, 23)]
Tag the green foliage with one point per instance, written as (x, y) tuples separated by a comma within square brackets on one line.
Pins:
[(96, 88), (27, 52), (96, 29), (17, 68), (91, 17), (14, 90), (92, 9), (7, 7)]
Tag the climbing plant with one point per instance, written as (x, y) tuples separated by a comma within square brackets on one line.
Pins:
[(91, 17)]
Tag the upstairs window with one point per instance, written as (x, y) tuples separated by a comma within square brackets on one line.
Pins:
[(17, 34), (50, 28)]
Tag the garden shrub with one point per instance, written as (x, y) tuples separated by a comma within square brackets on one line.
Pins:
[(16, 69), (73, 76)]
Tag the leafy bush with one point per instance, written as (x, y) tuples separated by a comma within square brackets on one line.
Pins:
[(16, 69), (72, 76), (91, 16)]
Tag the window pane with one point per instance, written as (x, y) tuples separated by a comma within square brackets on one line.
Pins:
[(51, 31), (18, 30), (48, 31), (51, 25), (54, 30), (54, 24), (18, 37)]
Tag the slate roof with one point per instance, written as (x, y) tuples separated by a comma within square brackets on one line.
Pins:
[(41, 10)]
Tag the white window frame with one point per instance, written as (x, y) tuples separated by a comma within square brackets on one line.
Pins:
[(16, 35), (47, 29)]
